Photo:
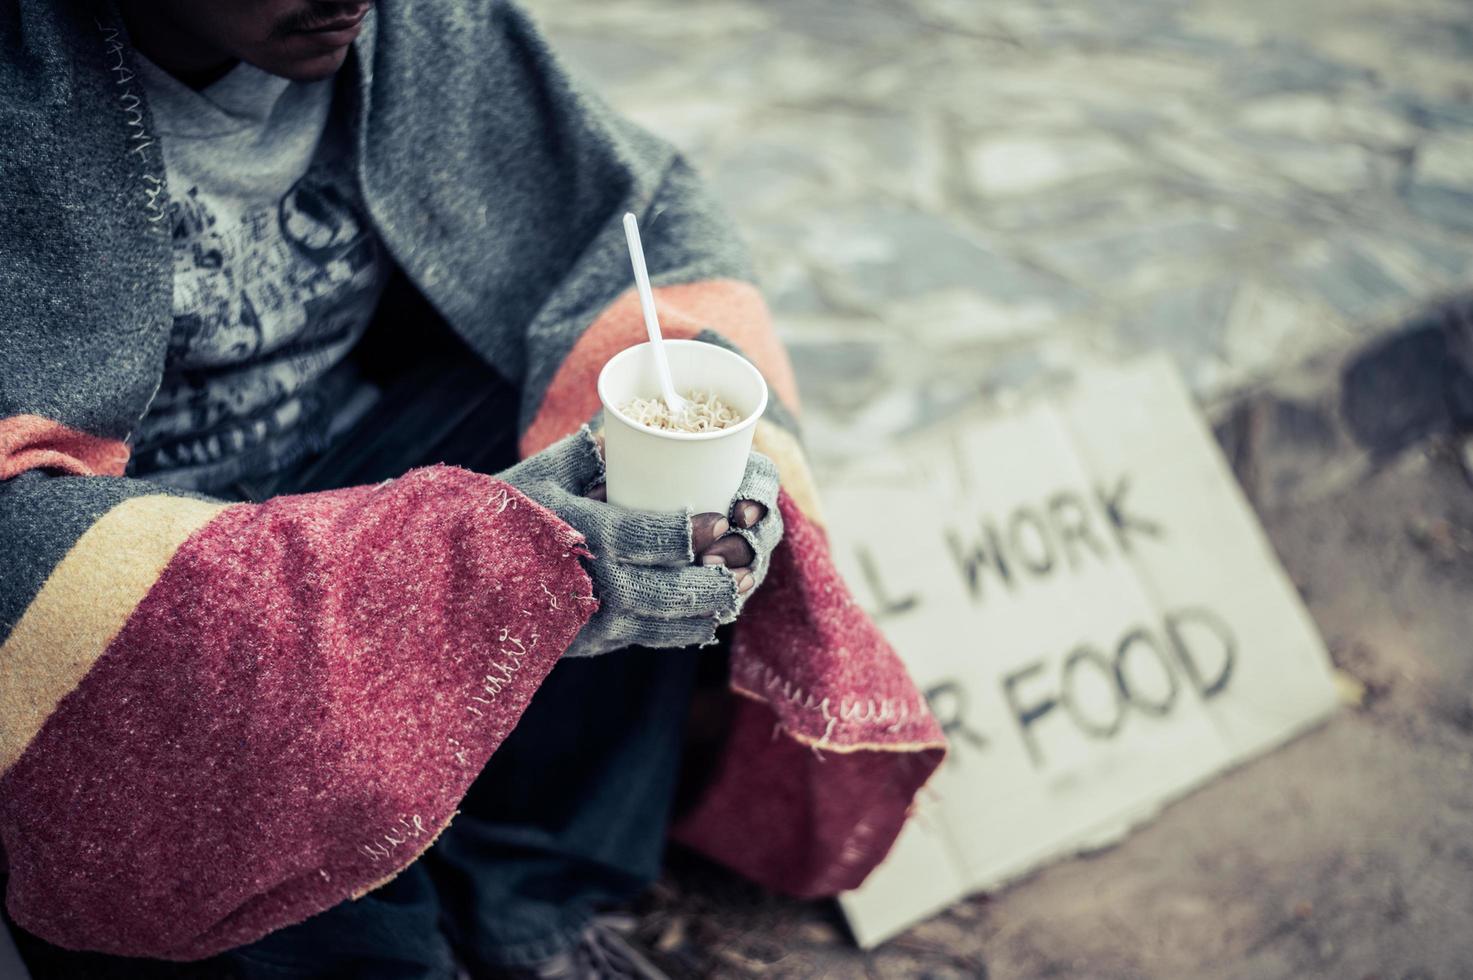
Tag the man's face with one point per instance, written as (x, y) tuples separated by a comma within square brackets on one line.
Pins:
[(299, 39)]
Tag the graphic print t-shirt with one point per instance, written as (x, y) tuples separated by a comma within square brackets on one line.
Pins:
[(276, 274)]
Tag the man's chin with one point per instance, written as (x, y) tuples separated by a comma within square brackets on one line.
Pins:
[(312, 68)]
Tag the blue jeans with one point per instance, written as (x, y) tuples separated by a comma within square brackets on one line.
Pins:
[(569, 815)]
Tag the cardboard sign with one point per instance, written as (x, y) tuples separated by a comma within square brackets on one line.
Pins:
[(1095, 615)]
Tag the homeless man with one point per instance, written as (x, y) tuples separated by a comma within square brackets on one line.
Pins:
[(301, 308)]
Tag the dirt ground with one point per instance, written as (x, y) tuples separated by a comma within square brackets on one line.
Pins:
[(1347, 853)]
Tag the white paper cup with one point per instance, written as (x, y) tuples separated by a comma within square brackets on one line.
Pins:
[(652, 469)]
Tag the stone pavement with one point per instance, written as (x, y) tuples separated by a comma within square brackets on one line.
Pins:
[(957, 200), (950, 199)]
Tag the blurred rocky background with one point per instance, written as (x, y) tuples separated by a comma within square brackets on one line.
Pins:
[(954, 201)]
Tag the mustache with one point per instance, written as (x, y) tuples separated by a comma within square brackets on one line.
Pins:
[(317, 15)]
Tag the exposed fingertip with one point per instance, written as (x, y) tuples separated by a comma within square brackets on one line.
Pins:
[(734, 549), (710, 521), (706, 529), (748, 513)]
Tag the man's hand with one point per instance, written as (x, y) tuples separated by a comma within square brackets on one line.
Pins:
[(714, 543), (661, 579)]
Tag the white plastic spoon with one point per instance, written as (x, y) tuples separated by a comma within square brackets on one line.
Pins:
[(678, 405)]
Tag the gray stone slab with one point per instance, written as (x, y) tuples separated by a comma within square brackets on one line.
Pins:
[(1447, 160), (844, 374), (1438, 114), (1444, 259), (852, 22), (1107, 256), (612, 64), (1010, 165), (1283, 64), (1024, 172), (794, 293), (1187, 322), (887, 253), (1099, 207), (1446, 206), (1317, 166), (767, 171), (1356, 284)]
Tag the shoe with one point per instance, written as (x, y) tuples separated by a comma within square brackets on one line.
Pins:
[(600, 953)]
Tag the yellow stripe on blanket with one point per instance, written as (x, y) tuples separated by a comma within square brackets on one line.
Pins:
[(83, 605), (780, 446)]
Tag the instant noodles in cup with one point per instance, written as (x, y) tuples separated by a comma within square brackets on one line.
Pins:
[(668, 470)]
